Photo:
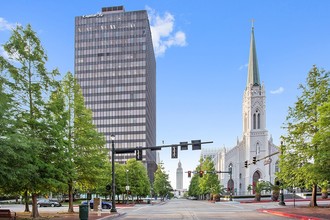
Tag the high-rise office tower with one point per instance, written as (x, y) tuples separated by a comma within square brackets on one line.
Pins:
[(116, 69)]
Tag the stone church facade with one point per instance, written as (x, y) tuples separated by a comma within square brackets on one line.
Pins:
[(255, 140)]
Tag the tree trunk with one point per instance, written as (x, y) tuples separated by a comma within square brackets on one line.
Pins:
[(35, 212), (313, 202), (26, 201), (70, 209), (325, 195), (257, 197)]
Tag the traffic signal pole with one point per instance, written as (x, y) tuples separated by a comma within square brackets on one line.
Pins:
[(196, 145)]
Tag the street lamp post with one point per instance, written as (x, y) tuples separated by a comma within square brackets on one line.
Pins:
[(231, 186), (281, 190), (282, 197), (113, 207), (127, 186)]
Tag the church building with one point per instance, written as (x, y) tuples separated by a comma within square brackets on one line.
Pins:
[(255, 143)]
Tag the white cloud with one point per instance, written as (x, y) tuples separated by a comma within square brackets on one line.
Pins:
[(5, 25), (243, 66), (277, 91), (162, 32)]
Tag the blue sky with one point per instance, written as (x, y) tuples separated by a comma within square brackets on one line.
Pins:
[(202, 54)]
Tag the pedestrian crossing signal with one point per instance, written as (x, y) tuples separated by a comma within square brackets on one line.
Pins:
[(174, 152), (138, 154)]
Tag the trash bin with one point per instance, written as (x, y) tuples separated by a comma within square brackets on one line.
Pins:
[(83, 212)]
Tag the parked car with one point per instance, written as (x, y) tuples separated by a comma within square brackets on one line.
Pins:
[(48, 202), (105, 204)]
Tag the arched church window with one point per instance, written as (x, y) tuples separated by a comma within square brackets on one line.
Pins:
[(257, 148), (258, 120), (254, 121), (277, 168)]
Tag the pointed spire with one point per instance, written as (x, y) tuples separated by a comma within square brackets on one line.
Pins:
[(253, 70)]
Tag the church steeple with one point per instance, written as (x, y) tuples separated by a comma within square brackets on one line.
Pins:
[(253, 70)]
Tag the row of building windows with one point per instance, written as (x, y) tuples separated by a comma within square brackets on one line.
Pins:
[(106, 18), (129, 56), (106, 89), (107, 42), (114, 84), (107, 106), (97, 27), (106, 73), (102, 35), (108, 65), (137, 112), (99, 97), (127, 105), (105, 57), (103, 38), (117, 121), (84, 46), (141, 128), (113, 49)]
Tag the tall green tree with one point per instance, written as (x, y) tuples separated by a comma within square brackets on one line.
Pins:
[(209, 183), (26, 67), (162, 186), (138, 178), (322, 140), (301, 161), (15, 156), (194, 189), (90, 153), (82, 148)]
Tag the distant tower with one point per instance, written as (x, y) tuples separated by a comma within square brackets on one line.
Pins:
[(179, 177)]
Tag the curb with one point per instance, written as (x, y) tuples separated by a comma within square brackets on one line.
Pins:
[(284, 214)]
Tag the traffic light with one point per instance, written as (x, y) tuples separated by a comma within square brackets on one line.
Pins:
[(246, 164), (254, 160), (196, 144), (174, 152), (184, 145), (138, 154), (201, 173), (189, 174)]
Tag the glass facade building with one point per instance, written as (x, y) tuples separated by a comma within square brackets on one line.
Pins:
[(116, 69)]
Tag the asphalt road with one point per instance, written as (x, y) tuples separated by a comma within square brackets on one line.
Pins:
[(198, 210), (179, 209)]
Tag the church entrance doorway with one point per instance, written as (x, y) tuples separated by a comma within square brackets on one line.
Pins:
[(255, 178), (230, 185)]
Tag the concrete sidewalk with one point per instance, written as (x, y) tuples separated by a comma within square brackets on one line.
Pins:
[(300, 212)]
